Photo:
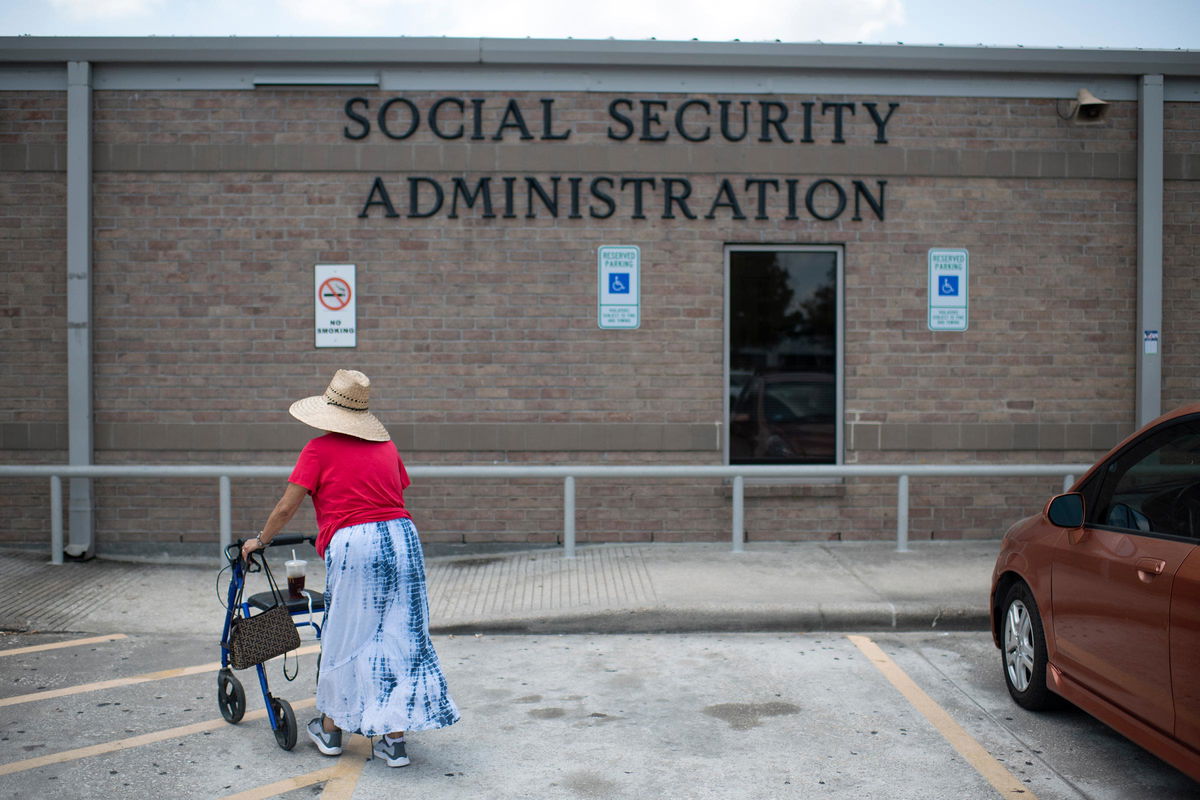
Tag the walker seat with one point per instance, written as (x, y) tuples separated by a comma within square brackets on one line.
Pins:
[(311, 601)]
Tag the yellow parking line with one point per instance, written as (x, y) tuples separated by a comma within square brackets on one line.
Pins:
[(340, 780), (976, 754), (349, 770), (288, 784), (342, 786), (16, 651), (134, 741), (178, 672)]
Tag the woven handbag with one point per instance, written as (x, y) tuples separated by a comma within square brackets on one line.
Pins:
[(260, 637)]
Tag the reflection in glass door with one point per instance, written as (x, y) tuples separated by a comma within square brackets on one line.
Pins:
[(784, 341)]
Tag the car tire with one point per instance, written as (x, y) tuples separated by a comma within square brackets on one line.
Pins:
[(1023, 650)]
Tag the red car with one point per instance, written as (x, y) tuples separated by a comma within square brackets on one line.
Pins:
[(1097, 599)]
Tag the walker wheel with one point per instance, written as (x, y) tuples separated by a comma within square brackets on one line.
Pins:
[(285, 731), (231, 697)]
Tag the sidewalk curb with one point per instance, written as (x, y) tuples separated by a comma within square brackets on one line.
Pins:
[(682, 621)]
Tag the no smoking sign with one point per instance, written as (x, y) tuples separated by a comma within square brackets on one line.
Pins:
[(335, 294), (335, 305)]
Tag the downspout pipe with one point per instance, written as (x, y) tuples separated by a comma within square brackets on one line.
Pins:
[(80, 542), (1150, 249)]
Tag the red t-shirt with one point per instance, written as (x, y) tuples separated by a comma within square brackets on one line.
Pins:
[(351, 481)]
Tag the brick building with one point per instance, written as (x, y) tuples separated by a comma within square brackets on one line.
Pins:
[(821, 254)]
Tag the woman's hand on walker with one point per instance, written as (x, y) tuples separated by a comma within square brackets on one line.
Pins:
[(250, 545)]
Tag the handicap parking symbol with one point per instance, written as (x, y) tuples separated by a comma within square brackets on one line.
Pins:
[(948, 286), (618, 283)]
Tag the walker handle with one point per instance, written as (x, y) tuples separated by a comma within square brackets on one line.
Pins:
[(292, 538)]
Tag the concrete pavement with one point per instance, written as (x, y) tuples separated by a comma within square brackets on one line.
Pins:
[(730, 716), (612, 588), (789, 711)]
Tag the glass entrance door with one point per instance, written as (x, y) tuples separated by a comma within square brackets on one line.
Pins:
[(784, 355)]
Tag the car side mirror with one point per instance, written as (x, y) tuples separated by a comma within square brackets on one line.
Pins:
[(1066, 511)]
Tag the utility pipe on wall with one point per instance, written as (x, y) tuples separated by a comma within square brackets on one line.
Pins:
[(79, 302), (1150, 249)]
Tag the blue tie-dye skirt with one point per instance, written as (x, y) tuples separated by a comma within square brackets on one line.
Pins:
[(379, 672)]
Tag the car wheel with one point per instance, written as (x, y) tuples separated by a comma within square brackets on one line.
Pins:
[(1023, 650)]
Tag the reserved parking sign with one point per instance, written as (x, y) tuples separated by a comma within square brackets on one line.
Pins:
[(948, 272), (619, 289)]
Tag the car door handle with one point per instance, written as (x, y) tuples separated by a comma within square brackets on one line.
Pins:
[(1149, 568)]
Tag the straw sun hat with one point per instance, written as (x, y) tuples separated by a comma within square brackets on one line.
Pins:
[(343, 408)]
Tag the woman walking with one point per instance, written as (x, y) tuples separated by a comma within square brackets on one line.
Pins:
[(379, 673)]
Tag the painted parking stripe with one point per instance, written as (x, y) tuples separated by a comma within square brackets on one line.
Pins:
[(135, 741), (976, 754), (17, 651), (340, 780), (178, 672), (288, 784), (346, 781)]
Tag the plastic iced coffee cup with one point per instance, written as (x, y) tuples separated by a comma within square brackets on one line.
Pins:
[(295, 576)]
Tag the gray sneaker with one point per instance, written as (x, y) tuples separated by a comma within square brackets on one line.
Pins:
[(330, 744), (391, 751)]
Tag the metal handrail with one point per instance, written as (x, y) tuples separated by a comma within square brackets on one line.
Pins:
[(567, 473)]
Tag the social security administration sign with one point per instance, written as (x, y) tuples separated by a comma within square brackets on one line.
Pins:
[(619, 291), (948, 271)]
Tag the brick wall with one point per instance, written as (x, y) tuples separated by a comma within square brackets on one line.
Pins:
[(33, 264), (1181, 260), (203, 277), (33, 376)]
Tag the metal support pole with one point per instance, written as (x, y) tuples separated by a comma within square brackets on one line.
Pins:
[(739, 514), (56, 520), (569, 517), (1068, 482), (226, 515), (79, 303), (1151, 338), (902, 514)]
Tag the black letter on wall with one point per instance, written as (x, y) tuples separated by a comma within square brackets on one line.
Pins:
[(724, 104), (433, 122), (638, 183), (377, 188), (548, 121), (414, 197), (360, 119), (532, 187), (513, 111), (880, 124), (672, 198), (679, 120), (603, 196), (812, 191), (482, 187), (649, 118), (838, 108), (621, 118), (860, 190), (768, 121), (416, 118), (762, 185), (730, 201)]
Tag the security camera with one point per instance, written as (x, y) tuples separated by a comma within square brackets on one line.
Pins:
[(1088, 109)]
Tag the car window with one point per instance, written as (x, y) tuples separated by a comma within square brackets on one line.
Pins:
[(745, 403), (1154, 487), (800, 401)]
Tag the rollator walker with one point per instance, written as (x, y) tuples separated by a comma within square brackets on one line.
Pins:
[(231, 696)]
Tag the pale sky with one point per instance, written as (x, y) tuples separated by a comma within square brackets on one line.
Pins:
[(1149, 24)]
